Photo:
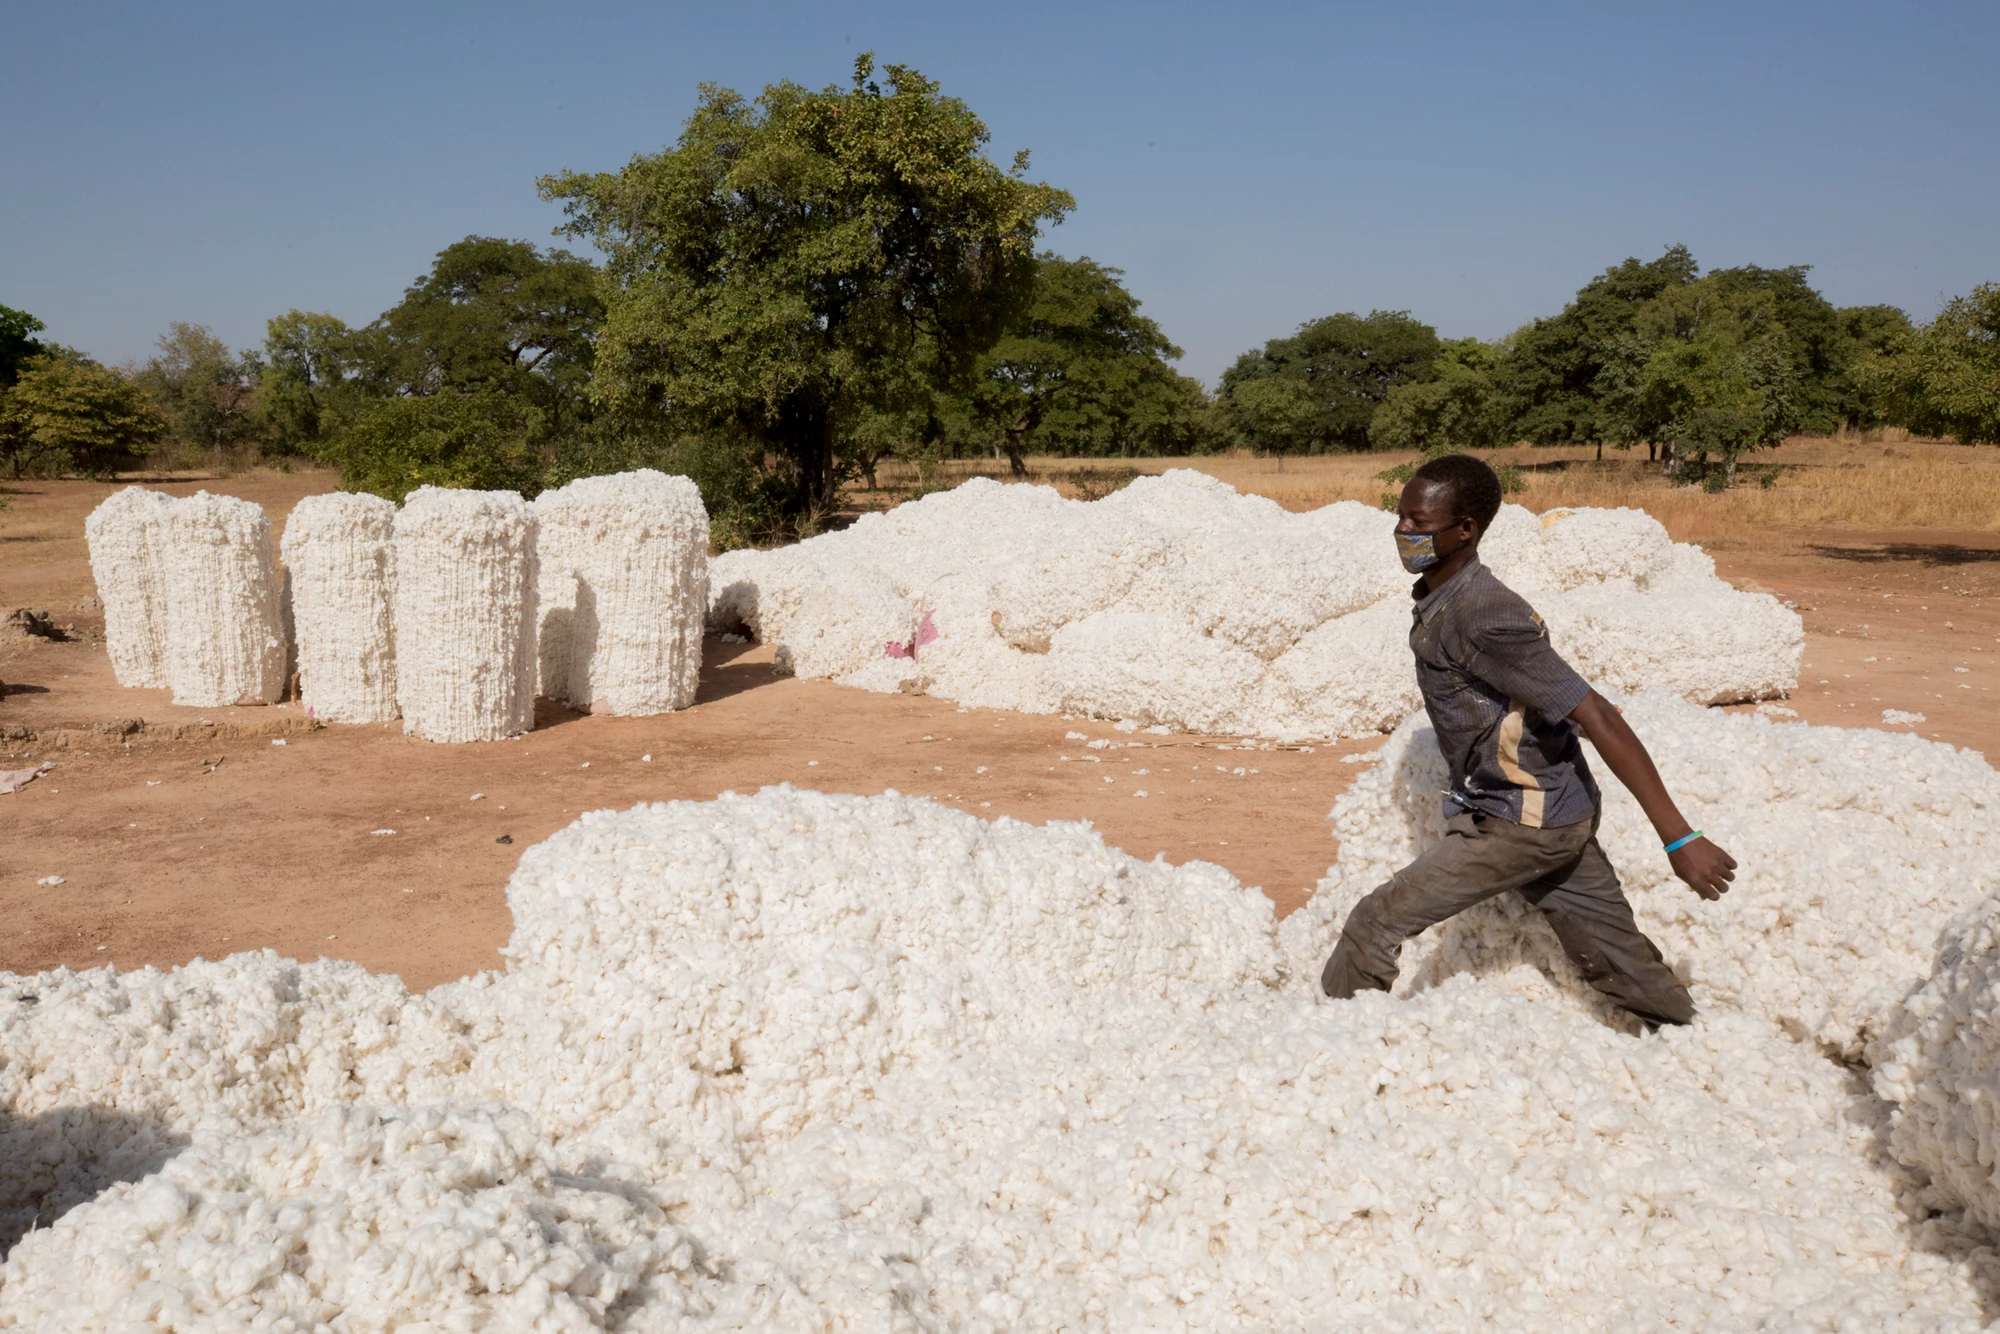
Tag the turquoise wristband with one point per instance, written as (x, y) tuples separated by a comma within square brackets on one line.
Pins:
[(1680, 843)]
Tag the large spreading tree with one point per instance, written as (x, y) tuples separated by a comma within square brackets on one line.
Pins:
[(799, 270), (1330, 377)]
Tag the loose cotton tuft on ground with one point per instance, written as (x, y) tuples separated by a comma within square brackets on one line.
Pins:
[(465, 614), (623, 592), (801, 1061), (1178, 602), (127, 535), (339, 550), (225, 633)]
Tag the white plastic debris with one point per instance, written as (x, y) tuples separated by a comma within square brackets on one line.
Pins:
[(465, 614), (340, 551), (225, 629), (624, 590), (1177, 603), (127, 535)]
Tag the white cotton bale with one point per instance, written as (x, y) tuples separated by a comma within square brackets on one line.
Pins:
[(127, 535), (225, 624), (631, 552), (465, 614), (1939, 1062), (339, 552)]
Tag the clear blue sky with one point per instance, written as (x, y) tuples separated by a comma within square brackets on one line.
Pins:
[(1248, 166)]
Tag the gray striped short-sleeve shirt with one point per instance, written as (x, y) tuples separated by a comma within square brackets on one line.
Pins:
[(1500, 696)]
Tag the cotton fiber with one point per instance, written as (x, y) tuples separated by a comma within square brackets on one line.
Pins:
[(339, 550), (623, 592), (225, 630), (1178, 602), (1854, 849), (127, 535), (465, 604), (801, 1061), (1940, 1062)]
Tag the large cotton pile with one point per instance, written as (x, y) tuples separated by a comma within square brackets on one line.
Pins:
[(623, 589), (339, 549), (799, 1061), (1177, 601)]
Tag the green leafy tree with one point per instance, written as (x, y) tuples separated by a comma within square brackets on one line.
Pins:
[(1457, 408), (1549, 381), (207, 391), (1944, 378), (1711, 372), (65, 413), (17, 342), (1348, 364), (1081, 372), (308, 388), (796, 269), (1872, 333), (491, 317), (395, 445)]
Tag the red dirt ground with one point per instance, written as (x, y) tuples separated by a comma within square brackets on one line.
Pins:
[(173, 849)]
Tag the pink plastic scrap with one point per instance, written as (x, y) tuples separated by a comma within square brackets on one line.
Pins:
[(926, 633)]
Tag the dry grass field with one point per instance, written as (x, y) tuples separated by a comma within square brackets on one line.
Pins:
[(1841, 482)]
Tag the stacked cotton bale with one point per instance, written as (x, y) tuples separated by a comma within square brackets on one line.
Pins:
[(128, 539), (624, 590), (339, 552), (225, 626), (465, 592)]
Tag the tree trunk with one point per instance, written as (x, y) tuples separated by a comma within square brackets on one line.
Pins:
[(1600, 451)]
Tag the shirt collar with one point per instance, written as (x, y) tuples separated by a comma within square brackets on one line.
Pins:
[(1429, 605)]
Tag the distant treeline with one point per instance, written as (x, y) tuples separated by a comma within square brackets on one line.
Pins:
[(811, 282)]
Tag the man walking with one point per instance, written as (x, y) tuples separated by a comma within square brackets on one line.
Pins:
[(1522, 810)]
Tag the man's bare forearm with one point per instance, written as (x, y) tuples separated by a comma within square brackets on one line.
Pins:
[(1627, 757)]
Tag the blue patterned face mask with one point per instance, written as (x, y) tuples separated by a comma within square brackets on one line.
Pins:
[(1419, 550)]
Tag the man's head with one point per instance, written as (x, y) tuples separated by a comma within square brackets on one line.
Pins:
[(1446, 508), (1447, 492)]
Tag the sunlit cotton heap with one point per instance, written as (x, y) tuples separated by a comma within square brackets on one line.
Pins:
[(226, 641), (1855, 847), (798, 1061), (1177, 601), (623, 592), (1940, 1061), (127, 535), (339, 550), (465, 614)]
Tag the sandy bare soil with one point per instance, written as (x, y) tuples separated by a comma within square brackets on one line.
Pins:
[(217, 839)]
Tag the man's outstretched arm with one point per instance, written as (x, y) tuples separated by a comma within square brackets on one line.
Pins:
[(1703, 864)]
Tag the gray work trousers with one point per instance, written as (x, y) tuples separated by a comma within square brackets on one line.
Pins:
[(1561, 871)]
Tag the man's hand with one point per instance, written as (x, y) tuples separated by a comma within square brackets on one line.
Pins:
[(1705, 866)]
